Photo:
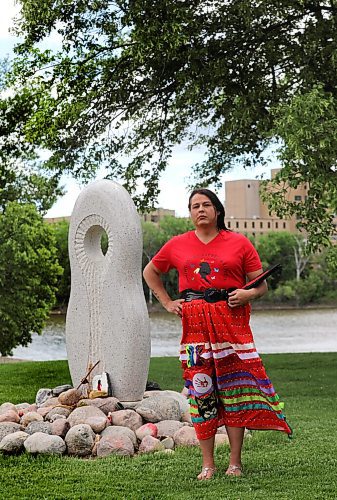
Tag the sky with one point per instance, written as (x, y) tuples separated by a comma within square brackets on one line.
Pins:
[(173, 183)]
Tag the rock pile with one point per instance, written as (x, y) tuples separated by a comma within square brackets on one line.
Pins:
[(61, 422)]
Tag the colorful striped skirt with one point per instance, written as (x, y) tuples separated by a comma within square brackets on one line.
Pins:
[(226, 380)]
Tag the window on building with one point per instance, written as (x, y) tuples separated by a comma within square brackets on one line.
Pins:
[(229, 223), (253, 234), (154, 218), (298, 197), (261, 225), (276, 225), (284, 225), (268, 225), (248, 185), (236, 225), (245, 224), (253, 224)]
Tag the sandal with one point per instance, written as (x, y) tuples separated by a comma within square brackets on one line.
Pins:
[(204, 474), (234, 470)]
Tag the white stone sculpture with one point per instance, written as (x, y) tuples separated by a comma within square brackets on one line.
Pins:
[(107, 318)]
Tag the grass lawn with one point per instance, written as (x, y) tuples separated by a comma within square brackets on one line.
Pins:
[(275, 467)]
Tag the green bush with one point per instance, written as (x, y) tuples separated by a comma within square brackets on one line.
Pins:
[(28, 275)]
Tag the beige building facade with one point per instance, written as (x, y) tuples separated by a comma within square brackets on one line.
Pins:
[(154, 216), (55, 220), (157, 214), (247, 214)]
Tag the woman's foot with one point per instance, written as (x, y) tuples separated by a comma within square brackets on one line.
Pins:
[(206, 473), (234, 470)]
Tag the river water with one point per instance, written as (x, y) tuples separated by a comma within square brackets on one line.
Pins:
[(276, 331)]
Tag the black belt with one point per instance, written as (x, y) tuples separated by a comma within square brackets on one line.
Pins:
[(210, 294)]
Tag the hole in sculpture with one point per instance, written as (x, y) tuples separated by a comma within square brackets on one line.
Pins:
[(96, 243), (104, 242)]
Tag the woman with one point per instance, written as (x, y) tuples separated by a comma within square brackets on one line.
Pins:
[(226, 381)]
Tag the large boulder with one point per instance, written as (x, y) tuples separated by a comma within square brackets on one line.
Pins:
[(42, 395), (31, 416), (168, 443), (80, 440), (58, 410), (34, 427), (57, 416), (70, 397), (180, 398), (117, 431), (221, 439), (28, 409), (5, 407), (158, 408), (116, 445), (186, 436), (13, 443), (168, 427), (147, 430), (61, 388), (45, 444), (106, 405), (22, 406), (10, 416), (89, 415), (127, 418), (150, 444), (51, 402), (8, 428), (43, 411), (60, 427)]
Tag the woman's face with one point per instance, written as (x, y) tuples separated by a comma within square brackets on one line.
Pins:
[(203, 212)]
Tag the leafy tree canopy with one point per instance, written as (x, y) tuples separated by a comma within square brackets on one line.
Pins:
[(22, 176), (28, 274), (136, 77)]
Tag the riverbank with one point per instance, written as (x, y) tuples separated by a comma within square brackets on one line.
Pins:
[(256, 306), (261, 306)]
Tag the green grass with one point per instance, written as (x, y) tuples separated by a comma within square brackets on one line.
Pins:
[(275, 466)]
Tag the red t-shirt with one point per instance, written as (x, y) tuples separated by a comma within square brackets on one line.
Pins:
[(222, 263)]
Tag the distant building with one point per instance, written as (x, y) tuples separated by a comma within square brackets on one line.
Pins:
[(157, 215), (55, 220), (246, 213)]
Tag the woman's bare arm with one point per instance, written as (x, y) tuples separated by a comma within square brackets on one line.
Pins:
[(152, 276)]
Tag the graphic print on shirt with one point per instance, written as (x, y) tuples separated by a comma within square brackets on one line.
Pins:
[(202, 273)]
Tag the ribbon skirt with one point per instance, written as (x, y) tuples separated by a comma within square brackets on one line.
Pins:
[(226, 380)]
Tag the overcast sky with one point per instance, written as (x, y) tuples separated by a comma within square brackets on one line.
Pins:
[(173, 183)]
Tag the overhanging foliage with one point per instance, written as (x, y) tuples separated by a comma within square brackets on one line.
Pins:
[(134, 78)]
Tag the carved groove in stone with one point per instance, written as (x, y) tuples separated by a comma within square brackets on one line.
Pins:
[(91, 260)]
